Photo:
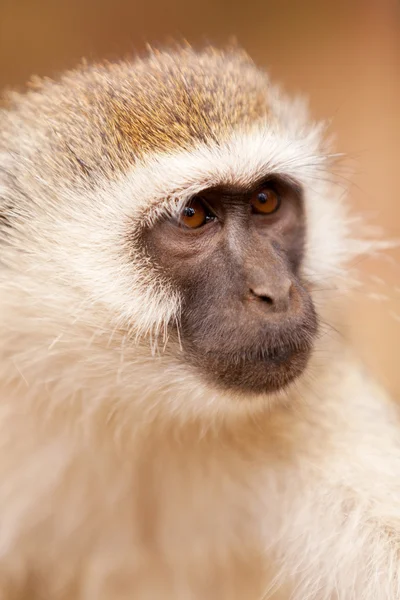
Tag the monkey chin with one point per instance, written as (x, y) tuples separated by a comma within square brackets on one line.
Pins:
[(266, 371), (261, 370), (276, 370)]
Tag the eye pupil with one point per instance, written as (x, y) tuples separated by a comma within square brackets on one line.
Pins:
[(196, 214), (262, 198), (189, 211), (265, 201)]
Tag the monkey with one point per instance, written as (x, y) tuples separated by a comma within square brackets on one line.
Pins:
[(180, 415)]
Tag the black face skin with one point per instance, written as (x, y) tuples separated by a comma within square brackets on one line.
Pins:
[(248, 322)]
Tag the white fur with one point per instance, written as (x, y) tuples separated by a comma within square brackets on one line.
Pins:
[(123, 475)]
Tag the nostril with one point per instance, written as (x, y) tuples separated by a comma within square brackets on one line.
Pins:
[(280, 298), (262, 297)]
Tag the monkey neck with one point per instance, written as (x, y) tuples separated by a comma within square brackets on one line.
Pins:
[(114, 406), (83, 378)]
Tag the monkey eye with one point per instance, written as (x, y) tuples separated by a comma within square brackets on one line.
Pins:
[(265, 201), (196, 214)]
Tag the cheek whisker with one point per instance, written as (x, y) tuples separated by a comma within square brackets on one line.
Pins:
[(178, 332)]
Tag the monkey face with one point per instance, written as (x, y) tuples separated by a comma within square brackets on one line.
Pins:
[(247, 319)]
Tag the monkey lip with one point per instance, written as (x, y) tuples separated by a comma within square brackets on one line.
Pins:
[(264, 370), (279, 355), (274, 369)]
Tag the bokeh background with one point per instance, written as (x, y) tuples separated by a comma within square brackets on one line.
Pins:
[(344, 54)]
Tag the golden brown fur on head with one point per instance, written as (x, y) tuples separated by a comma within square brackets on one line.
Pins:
[(114, 114)]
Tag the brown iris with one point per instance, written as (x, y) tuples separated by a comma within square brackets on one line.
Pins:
[(265, 201), (195, 214)]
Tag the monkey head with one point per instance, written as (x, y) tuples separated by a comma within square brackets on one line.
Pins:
[(172, 216)]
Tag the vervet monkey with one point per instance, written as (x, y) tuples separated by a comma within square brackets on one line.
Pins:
[(178, 418)]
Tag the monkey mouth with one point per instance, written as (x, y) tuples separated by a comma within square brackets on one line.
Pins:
[(262, 370), (272, 368), (258, 357), (280, 355)]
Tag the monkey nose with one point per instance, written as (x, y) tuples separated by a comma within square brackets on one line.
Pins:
[(274, 295)]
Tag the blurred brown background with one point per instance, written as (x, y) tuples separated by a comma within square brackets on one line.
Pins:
[(345, 54)]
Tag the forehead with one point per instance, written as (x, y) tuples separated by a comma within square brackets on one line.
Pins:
[(98, 121), (162, 127), (167, 101)]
